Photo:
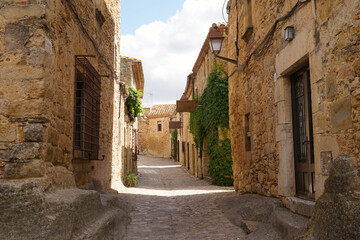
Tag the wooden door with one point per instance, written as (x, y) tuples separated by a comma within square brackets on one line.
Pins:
[(303, 134)]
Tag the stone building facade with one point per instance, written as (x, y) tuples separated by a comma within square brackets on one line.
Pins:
[(131, 74), (188, 155), (155, 139), (59, 99), (294, 105), (47, 48)]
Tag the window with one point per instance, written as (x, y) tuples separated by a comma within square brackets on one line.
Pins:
[(87, 110), (159, 126), (247, 133)]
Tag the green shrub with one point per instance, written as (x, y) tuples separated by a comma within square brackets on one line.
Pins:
[(210, 116), (131, 180), (133, 103)]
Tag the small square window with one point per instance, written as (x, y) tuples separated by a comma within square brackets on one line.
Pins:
[(159, 126), (247, 133)]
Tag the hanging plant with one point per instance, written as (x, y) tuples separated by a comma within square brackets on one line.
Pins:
[(133, 103)]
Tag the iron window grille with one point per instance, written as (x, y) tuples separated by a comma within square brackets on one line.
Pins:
[(86, 110)]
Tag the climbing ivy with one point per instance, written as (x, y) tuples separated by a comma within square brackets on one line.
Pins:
[(174, 144), (211, 118), (133, 103)]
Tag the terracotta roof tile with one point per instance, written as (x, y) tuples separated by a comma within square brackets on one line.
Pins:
[(162, 110)]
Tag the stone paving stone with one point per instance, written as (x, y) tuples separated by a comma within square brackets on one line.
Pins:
[(169, 203)]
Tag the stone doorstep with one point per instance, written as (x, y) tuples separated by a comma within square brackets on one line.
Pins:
[(99, 216), (299, 206), (290, 225), (102, 225)]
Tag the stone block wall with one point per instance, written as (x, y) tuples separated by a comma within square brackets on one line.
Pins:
[(143, 135), (38, 44), (326, 39), (157, 143), (22, 90)]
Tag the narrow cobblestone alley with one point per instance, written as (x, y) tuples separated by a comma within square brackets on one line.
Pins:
[(169, 203)]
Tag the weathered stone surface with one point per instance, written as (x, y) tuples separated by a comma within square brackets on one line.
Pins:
[(299, 206), (24, 169), (329, 46), (331, 84), (59, 177), (26, 151), (21, 11), (340, 114), (33, 133), (16, 36), (249, 226), (326, 159), (28, 212), (8, 133), (337, 211), (292, 226), (343, 176)]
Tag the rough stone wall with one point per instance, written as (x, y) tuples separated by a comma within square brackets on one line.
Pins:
[(198, 166), (157, 143), (325, 38), (143, 135), (126, 73), (38, 44), (127, 127), (22, 90), (118, 165)]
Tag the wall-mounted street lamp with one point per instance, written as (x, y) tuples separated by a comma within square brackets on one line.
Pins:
[(215, 39), (289, 33)]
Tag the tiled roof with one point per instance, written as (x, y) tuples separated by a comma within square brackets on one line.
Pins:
[(130, 58), (162, 110)]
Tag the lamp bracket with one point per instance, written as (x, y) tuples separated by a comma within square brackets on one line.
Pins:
[(227, 59)]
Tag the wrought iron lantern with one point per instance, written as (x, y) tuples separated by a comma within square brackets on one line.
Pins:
[(289, 33), (215, 40)]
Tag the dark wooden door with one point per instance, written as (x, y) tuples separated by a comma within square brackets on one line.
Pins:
[(303, 134), (188, 156), (178, 151)]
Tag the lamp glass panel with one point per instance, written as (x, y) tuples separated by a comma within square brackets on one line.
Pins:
[(289, 33), (215, 45)]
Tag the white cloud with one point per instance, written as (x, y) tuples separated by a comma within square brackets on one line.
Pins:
[(169, 49)]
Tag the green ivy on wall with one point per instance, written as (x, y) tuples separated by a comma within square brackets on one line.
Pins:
[(211, 118), (174, 152), (133, 103)]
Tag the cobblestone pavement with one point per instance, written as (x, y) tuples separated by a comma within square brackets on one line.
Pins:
[(169, 203)]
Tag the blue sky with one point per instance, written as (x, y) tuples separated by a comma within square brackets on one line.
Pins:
[(167, 36), (135, 13)]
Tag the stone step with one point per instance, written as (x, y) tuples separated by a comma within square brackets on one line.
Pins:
[(29, 212), (80, 214), (292, 226), (84, 205), (102, 227), (265, 232), (299, 206)]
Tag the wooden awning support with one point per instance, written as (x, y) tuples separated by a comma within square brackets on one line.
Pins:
[(175, 125), (185, 105)]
